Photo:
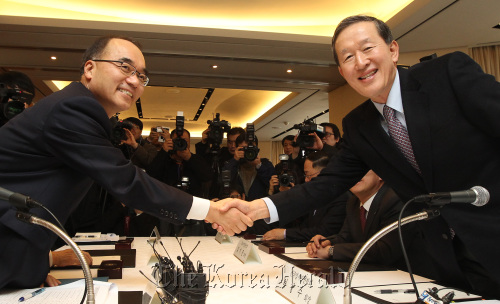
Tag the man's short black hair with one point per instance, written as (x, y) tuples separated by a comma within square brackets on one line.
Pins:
[(243, 138), (383, 30), (236, 130), (135, 121), (288, 137), (97, 48), (319, 159)]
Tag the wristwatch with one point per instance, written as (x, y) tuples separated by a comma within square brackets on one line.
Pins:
[(330, 252)]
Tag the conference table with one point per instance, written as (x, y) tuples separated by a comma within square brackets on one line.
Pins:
[(229, 279)]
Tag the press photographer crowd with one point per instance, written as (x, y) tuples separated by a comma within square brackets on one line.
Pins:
[(424, 134)]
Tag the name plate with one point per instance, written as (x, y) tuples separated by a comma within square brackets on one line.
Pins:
[(300, 286), (223, 238), (246, 253)]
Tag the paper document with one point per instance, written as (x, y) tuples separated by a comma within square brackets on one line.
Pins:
[(63, 294), (300, 256)]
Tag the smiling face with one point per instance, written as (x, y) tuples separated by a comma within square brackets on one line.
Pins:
[(366, 62), (113, 89)]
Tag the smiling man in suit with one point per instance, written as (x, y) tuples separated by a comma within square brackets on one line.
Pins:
[(446, 112), (56, 149)]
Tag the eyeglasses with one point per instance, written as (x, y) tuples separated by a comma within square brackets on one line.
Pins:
[(128, 70), (328, 134)]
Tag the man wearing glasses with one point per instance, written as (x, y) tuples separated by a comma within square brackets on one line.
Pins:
[(55, 150)]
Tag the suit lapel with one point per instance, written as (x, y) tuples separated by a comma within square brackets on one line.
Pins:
[(375, 135), (416, 107)]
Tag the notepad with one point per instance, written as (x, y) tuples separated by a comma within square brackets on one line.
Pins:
[(63, 294)]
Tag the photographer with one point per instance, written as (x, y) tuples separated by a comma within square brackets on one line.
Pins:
[(293, 166), (175, 165), (252, 174), (226, 153), (138, 150)]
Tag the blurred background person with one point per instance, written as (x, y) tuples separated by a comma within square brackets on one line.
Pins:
[(326, 220)]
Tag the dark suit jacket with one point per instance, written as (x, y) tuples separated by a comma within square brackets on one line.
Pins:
[(325, 221), (52, 152), (165, 169), (384, 211), (452, 111)]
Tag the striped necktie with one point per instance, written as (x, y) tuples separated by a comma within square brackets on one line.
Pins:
[(399, 135)]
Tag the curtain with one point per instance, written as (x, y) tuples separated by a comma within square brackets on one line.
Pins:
[(488, 57), (276, 150)]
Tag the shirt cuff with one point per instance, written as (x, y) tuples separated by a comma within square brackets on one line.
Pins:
[(273, 212), (199, 209)]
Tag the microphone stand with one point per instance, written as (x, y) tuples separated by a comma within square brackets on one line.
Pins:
[(89, 283), (425, 214)]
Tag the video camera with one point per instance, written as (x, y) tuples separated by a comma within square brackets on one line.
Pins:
[(17, 98), (180, 144), (286, 176), (251, 151), (304, 140), (217, 129)]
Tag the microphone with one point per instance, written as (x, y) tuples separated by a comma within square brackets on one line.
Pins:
[(477, 196), (20, 201)]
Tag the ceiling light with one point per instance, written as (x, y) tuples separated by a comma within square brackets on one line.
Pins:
[(289, 71), (215, 66), (53, 57)]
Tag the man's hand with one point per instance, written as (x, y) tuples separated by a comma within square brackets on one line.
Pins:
[(168, 144), (275, 234), (130, 139), (153, 136), (239, 153), (204, 136), (50, 281), (313, 247), (68, 258), (321, 253), (229, 220), (255, 210), (318, 143)]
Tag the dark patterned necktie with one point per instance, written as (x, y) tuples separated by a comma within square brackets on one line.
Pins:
[(399, 135), (362, 217)]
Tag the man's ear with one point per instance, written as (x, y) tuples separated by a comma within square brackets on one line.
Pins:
[(88, 69)]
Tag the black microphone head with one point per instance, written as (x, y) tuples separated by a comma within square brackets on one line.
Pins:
[(482, 196), (179, 258)]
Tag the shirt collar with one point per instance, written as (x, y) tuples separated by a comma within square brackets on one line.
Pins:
[(394, 99), (368, 203)]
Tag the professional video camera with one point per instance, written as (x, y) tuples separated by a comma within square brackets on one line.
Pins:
[(217, 129), (17, 98), (251, 151), (118, 133), (286, 176), (304, 140), (180, 144)]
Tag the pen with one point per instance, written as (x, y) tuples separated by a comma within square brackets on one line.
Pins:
[(31, 295), (389, 291)]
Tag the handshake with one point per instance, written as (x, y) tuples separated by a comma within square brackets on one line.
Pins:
[(230, 216)]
